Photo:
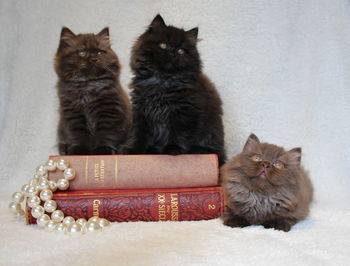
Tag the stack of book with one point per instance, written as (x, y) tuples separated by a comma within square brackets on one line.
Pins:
[(125, 188)]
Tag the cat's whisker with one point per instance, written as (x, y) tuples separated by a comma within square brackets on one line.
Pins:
[(108, 69)]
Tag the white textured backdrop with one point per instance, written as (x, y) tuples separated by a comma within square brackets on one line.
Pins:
[(283, 71)]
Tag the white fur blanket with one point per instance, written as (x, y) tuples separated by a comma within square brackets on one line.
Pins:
[(282, 69)]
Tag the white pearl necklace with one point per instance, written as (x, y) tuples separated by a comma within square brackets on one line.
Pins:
[(41, 189)]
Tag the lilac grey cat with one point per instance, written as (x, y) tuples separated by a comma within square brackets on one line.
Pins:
[(266, 185)]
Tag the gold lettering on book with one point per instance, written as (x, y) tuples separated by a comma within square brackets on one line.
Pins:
[(161, 207), (174, 204), (95, 207), (96, 172), (99, 172), (102, 172)]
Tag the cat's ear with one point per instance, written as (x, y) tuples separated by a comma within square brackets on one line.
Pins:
[(251, 144), (192, 35), (294, 156), (104, 36), (158, 21), (67, 37), (66, 34)]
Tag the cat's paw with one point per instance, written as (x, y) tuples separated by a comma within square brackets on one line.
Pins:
[(200, 150), (103, 151), (78, 150), (279, 224), (235, 221), (172, 150)]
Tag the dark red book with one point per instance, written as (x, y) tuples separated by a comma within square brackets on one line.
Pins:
[(180, 204), (96, 172)]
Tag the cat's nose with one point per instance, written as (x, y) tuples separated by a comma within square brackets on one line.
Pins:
[(93, 59), (266, 164)]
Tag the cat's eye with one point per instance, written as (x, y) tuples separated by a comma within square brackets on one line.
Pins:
[(162, 45), (181, 51), (278, 165), (256, 158), (82, 53), (100, 52)]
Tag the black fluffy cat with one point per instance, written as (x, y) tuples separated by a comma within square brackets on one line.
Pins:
[(176, 109), (95, 112)]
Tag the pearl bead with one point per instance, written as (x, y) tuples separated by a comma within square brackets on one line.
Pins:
[(50, 205), (51, 165), (37, 177), (83, 230), (43, 220), (60, 227), (41, 170), (14, 207), (81, 221), (53, 185), (92, 226), (20, 213), (32, 191), (18, 197), (34, 182), (62, 184), (62, 164), (43, 184), (104, 222), (37, 211), (24, 189), (74, 228), (50, 226), (68, 220), (33, 201), (69, 174), (46, 194), (57, 216), (94, 219), (40, 183)]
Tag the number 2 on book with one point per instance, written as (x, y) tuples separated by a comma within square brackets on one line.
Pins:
[(211, 207)]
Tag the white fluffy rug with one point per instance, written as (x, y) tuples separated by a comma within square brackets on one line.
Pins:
[(282, 69)]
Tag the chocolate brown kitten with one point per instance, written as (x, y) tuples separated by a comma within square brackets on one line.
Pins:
[(265, 185), (95, 112)]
